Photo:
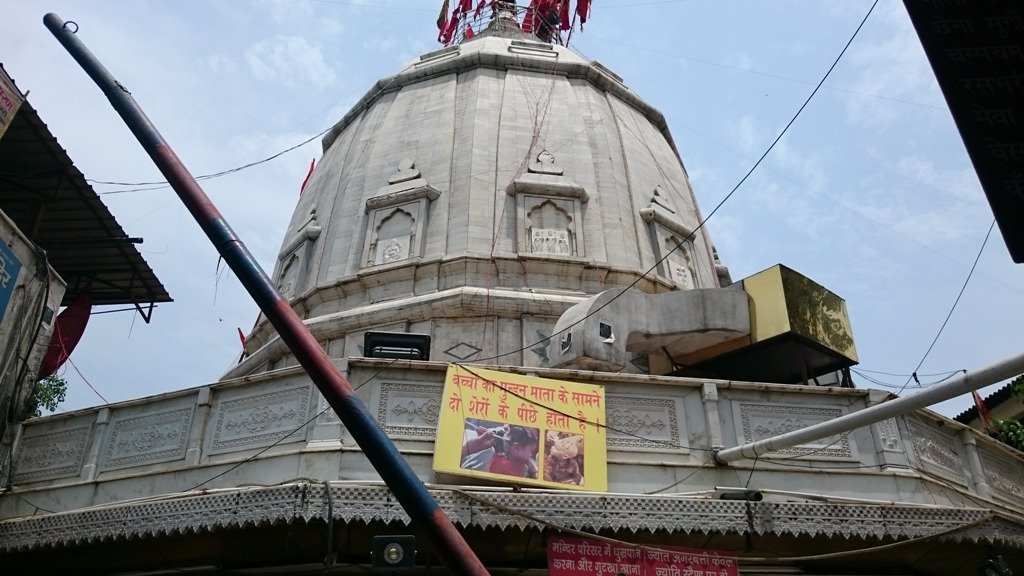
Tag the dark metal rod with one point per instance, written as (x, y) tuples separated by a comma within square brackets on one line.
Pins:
[(446, 541)]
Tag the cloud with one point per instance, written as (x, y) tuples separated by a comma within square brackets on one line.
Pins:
[(888, 61), (290, 60)]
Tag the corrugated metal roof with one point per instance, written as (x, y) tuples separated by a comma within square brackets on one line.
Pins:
[(49, 199)]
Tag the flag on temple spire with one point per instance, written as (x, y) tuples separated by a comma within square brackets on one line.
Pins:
[(442, 18), (583, 9), (563, 16)]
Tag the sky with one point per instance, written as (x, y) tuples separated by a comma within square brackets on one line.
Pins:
[(869, 193)]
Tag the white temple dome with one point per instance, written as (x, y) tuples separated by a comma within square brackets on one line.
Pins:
[(478, 194)]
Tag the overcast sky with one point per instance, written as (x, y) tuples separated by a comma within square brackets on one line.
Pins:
[(870, 193)]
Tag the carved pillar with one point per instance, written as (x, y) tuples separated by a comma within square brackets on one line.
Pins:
[(327, 428), (709, 393), (981, 486), (11, 439), (92, 457), (195, 439)]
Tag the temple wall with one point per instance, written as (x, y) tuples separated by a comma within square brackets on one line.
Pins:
[(661, 434)]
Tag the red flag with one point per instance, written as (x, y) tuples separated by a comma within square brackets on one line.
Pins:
[(442, 18), (986, 416), (530, 17), (453, 24), (563, 15), (466, 6), (583, 9), (241, 336), (479, 8), (308, 176), (469, 33)]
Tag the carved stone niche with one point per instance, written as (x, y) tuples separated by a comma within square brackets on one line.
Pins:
[(293, 260), (549, 219), (398, 217), (669, 236)]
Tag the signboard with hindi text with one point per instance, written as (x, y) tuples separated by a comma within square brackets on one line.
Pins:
[(585, 557), (10, 101), (522, 430)]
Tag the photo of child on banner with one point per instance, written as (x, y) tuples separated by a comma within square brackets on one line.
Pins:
[(522, 429), (500, 448)]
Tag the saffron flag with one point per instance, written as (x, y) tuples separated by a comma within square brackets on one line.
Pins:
[(309, 175), (983, 413)]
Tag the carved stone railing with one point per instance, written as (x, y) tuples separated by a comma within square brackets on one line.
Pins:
[(277, 428)]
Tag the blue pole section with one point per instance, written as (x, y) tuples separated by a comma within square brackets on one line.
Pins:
[(446, 541)]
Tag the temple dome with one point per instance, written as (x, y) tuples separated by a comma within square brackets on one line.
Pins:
[(475, 196)]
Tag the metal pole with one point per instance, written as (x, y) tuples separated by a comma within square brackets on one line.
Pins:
[(961, 384), (446, 541)]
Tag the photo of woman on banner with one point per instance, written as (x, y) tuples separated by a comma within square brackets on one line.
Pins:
[(500, 448)]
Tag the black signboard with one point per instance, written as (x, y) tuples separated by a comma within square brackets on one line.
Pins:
[(976, 48)]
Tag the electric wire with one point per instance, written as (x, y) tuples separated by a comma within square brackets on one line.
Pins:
[(717, 207), (913, 375), (372, 377), (159, 185), (742, 559), (252, 457)]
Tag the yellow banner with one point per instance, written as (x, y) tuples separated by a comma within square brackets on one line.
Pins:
[(522, 430), (10, 101)]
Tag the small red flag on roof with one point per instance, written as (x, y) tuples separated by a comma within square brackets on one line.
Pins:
[(983, 413), (309, 175)]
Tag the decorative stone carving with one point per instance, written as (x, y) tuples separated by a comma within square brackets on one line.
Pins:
[(52, 455), (489, 510), (889, 435), (535, 331), (398, 217), (672, 240), (550, 226), (463, 340), (259, 420), (409, 408), (293, 257), (160, 437), (643, 422), (393, 238), (936, 452), (1005, 477), (660, 199), (406, 171), (545, 164), (547, 241), (760, 421)]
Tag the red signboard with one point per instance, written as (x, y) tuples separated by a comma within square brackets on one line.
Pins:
[(583, 557)]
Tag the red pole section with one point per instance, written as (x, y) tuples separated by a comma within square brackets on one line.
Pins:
[(446, 541)]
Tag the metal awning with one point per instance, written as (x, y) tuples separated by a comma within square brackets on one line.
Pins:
[(50, 201)]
